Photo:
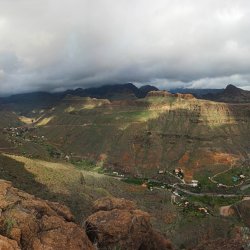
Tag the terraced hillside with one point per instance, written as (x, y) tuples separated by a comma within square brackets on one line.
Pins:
[(143, 136)]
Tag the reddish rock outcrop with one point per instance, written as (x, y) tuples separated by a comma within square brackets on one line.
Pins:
[(8, 244), (184, 96), (32, 223), (159, 93), (164, 93), (123, 228)]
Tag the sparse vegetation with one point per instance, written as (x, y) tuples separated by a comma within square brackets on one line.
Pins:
[(134, 181), (88, 165), (214, 201), (9, 223), (53, 152)]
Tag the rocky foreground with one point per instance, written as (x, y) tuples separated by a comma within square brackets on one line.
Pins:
[(27, 222)]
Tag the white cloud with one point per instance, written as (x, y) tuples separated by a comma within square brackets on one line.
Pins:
[(60, 44), (241, 80)]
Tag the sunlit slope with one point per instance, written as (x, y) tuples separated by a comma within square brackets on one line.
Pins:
[(153, 133)]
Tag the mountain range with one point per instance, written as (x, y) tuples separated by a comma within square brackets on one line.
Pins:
[(125, 91)]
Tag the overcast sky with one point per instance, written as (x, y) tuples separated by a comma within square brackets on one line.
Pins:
[(59, 44)]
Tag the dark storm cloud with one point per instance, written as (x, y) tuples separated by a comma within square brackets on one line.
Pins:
[(58, 44)]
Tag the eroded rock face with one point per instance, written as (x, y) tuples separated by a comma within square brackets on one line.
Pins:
[(32, 223), (123, 228), (164, 93), (184, 96)]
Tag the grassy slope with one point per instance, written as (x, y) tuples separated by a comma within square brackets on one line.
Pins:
[(66, 183)]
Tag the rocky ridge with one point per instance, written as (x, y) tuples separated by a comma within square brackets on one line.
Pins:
[(117, 223), (164, 93), (27, 222)]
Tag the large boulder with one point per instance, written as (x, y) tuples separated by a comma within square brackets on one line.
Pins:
[(8, 244), (37, 224), (118, 227)]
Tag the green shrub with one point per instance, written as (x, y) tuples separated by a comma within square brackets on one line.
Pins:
[(9, 223)]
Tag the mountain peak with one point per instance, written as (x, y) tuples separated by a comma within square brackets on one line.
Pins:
[(231, 94), (231, 89)]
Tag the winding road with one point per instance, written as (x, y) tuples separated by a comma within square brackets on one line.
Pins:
[(206, 194), (243, 187)]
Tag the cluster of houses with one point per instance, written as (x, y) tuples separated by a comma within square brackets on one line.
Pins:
[(195, 207), (16, 133), (179, 173), (194, 183), (151, 184), (191, 206), (117, 174), (186, 205)]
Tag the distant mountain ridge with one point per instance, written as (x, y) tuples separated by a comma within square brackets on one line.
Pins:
[(25, 102), (112, 91), (105, 91), (128, 91), (196, 92), (230, 94)]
